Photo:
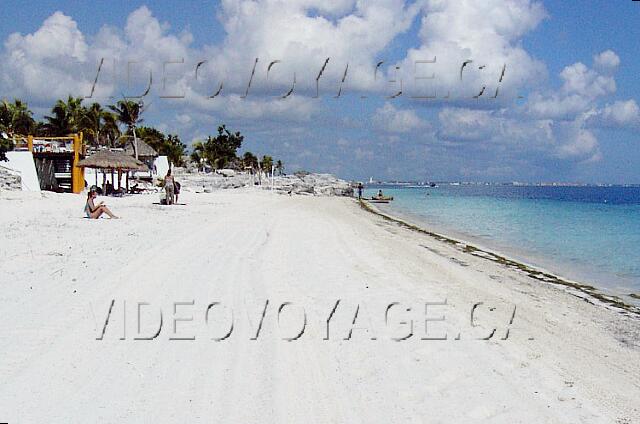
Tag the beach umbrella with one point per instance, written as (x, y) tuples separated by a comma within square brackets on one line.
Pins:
[(105, 159)]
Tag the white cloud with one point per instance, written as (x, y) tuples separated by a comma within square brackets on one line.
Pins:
[(579, 79), (460, 124), (580, 143), (581, 89), (620, 114), (390, 119), (545, 137), (32, 62), (302, 34), (607, 61), (58, 51), (487, 32), (294, 109), (184, 119), (557, 106), (58, 36)]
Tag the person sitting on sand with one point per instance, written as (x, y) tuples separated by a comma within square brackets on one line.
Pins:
[(169, 187), (94, 212)]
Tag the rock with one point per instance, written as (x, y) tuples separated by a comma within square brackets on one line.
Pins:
[(226, 172), (317, 184), (10, 180)]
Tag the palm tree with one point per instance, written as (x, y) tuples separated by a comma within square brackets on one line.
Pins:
[(129, 113), (279, 167), (110, 129), (6, 116), (16, 118), (92, 122), (65, 118), (266, 163)]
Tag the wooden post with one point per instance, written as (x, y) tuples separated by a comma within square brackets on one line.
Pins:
[(30, 143), (77, 173)]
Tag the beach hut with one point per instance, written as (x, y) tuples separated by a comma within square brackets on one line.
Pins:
[(145, 152), (108, 160)]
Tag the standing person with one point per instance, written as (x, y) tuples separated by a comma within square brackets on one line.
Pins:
[(169, 187), (360, 191), (176, 189)]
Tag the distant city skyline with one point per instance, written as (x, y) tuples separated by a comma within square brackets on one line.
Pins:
[(499, 90)]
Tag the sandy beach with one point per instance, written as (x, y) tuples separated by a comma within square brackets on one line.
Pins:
[(255, 307)]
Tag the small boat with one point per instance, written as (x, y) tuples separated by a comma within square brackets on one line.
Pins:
[(382, 199)]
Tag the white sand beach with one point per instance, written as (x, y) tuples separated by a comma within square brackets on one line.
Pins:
[(565, 360)]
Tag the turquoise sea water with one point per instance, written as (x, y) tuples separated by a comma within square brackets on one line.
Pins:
[(590, 234)]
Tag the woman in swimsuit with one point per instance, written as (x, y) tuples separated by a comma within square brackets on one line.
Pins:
[(94, 212), (169, 187)]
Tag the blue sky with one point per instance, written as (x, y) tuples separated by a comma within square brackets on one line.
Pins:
[(574, 66)]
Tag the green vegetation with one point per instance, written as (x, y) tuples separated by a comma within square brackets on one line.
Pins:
[(65, 118), (129, 113), (218, 151), (266, 163), (221, 151), (16, 118), (5, 146), (166, 145), (249, 160)]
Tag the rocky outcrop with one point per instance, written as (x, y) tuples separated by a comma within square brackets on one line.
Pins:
[(10, 180), (317, 184), (303, 183)]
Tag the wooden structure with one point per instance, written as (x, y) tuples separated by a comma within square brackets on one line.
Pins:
[(56, 160)]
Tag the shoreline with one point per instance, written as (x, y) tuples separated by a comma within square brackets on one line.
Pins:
[(608, 282), (579, 289)]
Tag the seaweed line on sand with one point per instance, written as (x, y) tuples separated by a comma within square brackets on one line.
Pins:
[(537, 274)]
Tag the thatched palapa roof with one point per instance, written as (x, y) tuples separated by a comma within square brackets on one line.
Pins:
[(144, 150), (105, 159)]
